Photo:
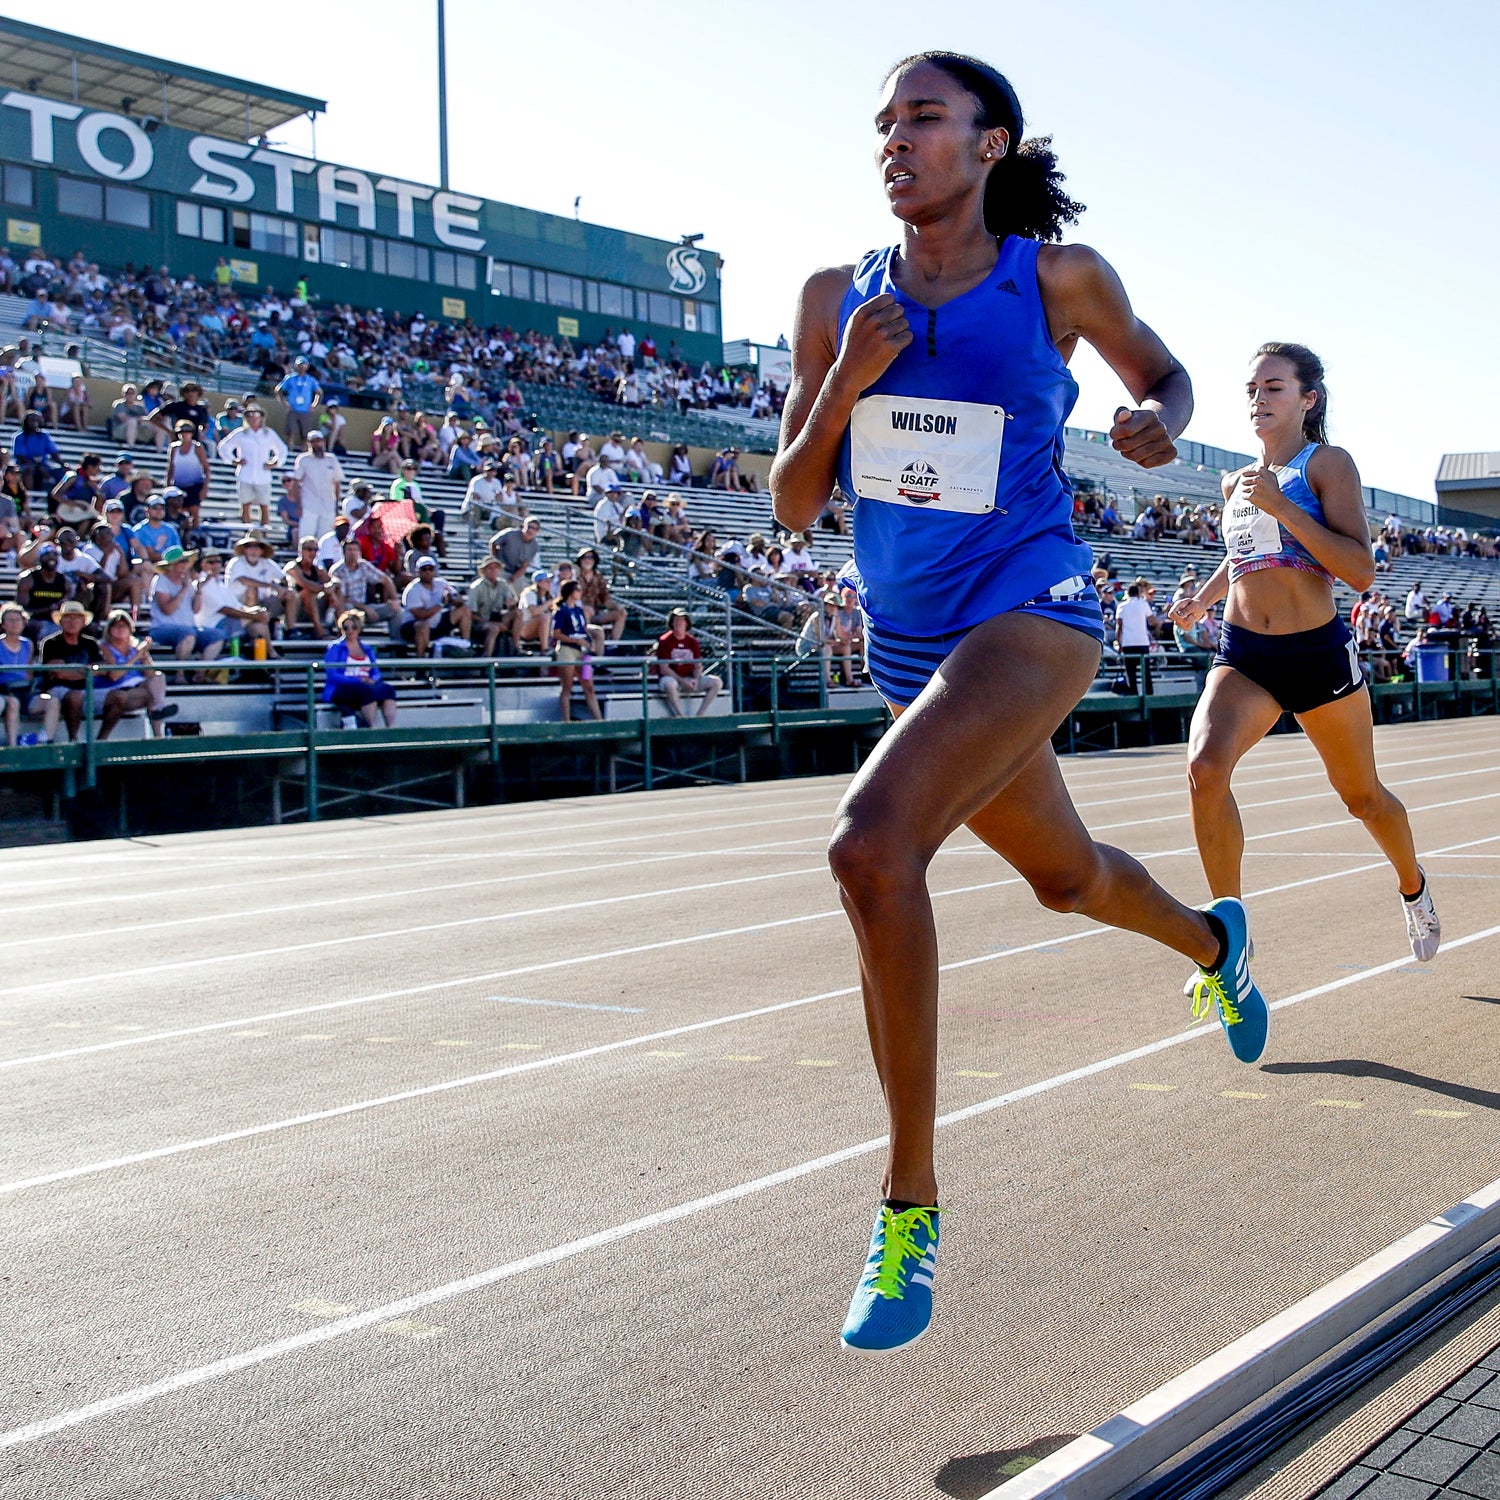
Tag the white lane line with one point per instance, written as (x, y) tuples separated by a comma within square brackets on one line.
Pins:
[(406, 1306), (432, 986), (424, 1090), (367, 898), (116, 975), (629, 1010)]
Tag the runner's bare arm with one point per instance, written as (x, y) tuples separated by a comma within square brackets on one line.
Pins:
[(1085, 299), (826, 382)]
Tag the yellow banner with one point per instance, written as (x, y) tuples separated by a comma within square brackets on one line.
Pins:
[(245, 270), (453, 307), (567, 327), (23, 232)]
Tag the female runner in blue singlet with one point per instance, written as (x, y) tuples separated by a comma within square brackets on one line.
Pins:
[(931, 381), (1292, 524)]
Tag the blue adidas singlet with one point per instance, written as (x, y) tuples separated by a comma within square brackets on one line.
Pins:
[(1255, 540), (955, 455)]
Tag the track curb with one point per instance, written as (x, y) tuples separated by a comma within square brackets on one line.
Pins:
[(1150, 1432)]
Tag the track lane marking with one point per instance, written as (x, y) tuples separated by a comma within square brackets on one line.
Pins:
[(442, 984), (405, 1307)]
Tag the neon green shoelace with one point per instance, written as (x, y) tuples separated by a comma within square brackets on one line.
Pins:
[(1209, 993), (900, 1246)]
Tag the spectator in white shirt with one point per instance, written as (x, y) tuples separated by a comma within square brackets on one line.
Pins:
[(1133, 632), (612, 451), (798, 557), (320, 480), (482, 498), (219, 613), (255, 579), (256, 451), (609, 517), (601, 479), (430, 607)]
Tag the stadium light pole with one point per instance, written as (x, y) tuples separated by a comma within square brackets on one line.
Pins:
[(442, 50)]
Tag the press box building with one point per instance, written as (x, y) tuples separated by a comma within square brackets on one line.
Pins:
[(139, 160)]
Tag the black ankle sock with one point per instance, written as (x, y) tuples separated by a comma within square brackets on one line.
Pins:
[(900, 1205), (1418, 896), (1221, 936)]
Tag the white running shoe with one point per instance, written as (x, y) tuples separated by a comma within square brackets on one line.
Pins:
[(1422, 925)]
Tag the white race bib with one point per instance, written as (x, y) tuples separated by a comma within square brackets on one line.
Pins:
[(1249, 531), (934, 455)]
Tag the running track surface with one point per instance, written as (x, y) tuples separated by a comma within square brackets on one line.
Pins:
[(532, 1150)]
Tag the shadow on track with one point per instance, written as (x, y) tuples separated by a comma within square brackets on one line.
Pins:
[(1357, 1068)]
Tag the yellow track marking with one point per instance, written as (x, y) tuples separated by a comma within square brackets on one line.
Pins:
[(1443, 1114), (1155, 1088), (1340, 1103)]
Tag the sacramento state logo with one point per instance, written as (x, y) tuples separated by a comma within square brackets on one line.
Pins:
[(919, 482)]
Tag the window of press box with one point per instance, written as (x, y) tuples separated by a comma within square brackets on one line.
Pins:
[(95, 200), (449, 269), (200, 221), (666, 310), (513, 281), (263, 232), (17, 187), (395, 258), (337, 247), (563, 291)]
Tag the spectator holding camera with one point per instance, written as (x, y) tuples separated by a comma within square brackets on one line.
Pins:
[(431, 608), (493, 603)]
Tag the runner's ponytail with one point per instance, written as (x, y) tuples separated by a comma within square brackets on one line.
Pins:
[(1024, 192)]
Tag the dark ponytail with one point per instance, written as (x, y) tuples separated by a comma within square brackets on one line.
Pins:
[(1024, 193), (1309, 370)]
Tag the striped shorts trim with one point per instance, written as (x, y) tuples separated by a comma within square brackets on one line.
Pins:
[(901, 666)]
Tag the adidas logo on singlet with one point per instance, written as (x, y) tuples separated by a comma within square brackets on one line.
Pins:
[(1009, 286)]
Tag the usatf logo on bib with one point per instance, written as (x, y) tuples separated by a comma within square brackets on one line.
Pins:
[(919, 482)]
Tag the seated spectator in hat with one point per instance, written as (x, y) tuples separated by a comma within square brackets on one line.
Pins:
[(41, 590), (385, 447), (352, 680), (334, 422), (172, 600), (679, 666), (602, 608), (110, 546), (129, 681), (118, 484), (86, 580), (37, 455), (609, 517), (481, 501), (15, 507), (20, 691), (311, 584), (126, 413), (358, 584), (256, 578), (463, 459), (431, 608), (74, 499), (493, 602), (534, 612), (570, 649), (724, 474), (74, 411), (799, 559), (219, 614), (153, 536), (67, 652)]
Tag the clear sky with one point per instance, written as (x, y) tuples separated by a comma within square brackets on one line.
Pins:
[(1324, 172)]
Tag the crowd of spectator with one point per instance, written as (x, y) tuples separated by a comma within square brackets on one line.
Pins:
[(365, 355)]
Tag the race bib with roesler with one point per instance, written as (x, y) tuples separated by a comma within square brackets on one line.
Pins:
[(934, 455), (1249, 532)]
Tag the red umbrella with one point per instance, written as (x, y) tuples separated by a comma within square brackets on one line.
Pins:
[(393, 521)]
